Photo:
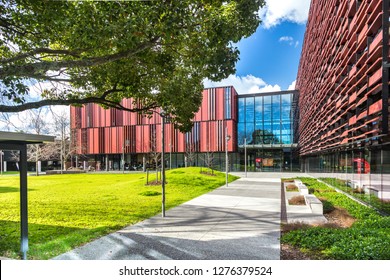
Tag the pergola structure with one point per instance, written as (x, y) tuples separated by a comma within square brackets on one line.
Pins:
[(18, 142)]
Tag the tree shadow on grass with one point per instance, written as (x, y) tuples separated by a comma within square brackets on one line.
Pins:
[(45, 241), (8, 189), (12, 189)]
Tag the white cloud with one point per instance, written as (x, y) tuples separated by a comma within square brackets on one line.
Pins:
[(276, 11), (286, 39), (289, 40), (292, 86), (244, 85)]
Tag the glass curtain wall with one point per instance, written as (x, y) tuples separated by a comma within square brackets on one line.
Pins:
[(363, 172), (265, 121)]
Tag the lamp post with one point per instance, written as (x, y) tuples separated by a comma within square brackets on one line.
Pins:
[(227, 138), (246, 175)]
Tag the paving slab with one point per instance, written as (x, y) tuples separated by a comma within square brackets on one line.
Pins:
[(239, 221)]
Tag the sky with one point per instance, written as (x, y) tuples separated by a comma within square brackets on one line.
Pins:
[(269, 58)]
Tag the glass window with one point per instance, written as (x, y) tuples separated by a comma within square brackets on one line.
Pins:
[(286, 139), (258, 109), (276, 113), (275, 128), (228, 103), (249, 131), (286, 99), (277, 139), (286, 112), (241, 133), (267, 128), (241, 109), (258, 136), (259, 125), (267, 112), (250, 110), (267, 100), (276, 100)]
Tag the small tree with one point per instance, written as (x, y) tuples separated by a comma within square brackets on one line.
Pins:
[(63, 143), (154, 154), (190, 150), (208, 159)]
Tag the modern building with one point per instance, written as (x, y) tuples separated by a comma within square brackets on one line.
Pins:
[(343, 83), (107, 137)]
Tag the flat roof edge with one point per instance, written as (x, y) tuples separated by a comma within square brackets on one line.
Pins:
[(24, 137)]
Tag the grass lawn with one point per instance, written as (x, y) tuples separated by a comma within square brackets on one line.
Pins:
[(66, 211)]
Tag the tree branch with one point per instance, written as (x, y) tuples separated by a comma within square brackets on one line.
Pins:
[(67, 102), (21, 56), (30, 69)]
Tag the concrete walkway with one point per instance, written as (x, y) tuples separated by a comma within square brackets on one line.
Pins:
[(241, 221)]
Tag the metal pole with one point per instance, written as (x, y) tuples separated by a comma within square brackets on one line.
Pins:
[(1, 162), (123, 158), (170, 156), (227, 157), (23, 202), (246, 174), (163, 164)]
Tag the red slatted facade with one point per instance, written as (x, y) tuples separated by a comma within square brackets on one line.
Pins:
[(342, 98), (104, 131)]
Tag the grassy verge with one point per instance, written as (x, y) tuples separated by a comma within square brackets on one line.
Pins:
[(368, 238), (66, 211), (370, 199)]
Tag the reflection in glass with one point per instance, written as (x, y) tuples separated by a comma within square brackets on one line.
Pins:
[(267, 113), (241, 109), (250, 127), (241, 133), (258, 109), (250, 110), (286, 112), (286, 99), (267, 100)]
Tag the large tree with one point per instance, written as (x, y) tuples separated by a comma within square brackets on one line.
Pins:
[(156, 52)]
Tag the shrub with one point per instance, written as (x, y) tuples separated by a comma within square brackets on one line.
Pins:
[(327, 206)]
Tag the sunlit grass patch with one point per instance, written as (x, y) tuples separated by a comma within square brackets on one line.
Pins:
[(66, 211)]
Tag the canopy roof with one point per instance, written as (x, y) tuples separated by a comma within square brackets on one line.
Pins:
[(23, 138)]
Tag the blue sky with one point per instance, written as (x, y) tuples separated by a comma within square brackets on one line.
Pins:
[(269, 58)]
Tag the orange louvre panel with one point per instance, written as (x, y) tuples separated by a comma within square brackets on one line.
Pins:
[(377, 76), (352, 120), (352, 98), (376, 42), (181, 143), (362, 115), (146, 138), (203, 137), (205, 106), (219, 103), (139, 140), (107, 142), (376, 107), (114, 140), (107, 117)]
